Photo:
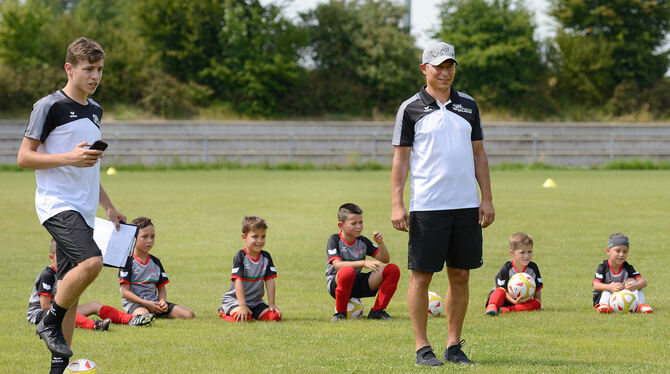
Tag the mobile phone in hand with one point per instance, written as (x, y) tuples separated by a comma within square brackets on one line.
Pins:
[(98, 145)]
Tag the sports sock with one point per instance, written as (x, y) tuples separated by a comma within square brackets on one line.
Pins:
[(55, 315), (497, 297), (84, 322), (390, 276), (270, 316), (525, 307), (58, 364), (345, 281), (116, 315)]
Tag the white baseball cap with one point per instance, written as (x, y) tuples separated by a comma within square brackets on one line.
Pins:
[(438, 52)]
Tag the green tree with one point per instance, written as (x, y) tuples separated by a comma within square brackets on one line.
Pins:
[(23, 36), (244, 51), (363, 59), (635, 29), (498, 59)]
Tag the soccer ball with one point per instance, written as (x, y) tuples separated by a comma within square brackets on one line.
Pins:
[(82, 366), (434, 304), (355, 308), (521, 284), (623, 301)]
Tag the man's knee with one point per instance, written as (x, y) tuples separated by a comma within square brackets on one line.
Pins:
[(420, 279), (92, 266)]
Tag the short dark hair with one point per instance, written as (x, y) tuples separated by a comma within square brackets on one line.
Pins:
[(142, 222), (520, 239), (250, 223), (347, 209), (84, 49)]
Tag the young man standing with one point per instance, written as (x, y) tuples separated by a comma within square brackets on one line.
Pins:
[(440, 128), (62, 126)]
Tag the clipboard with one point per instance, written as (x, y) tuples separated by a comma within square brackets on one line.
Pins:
[(116, 246)]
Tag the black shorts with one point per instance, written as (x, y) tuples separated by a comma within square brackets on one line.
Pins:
[(171, 306), (256, 311), (361, 287), (437, 237), (74, 240)]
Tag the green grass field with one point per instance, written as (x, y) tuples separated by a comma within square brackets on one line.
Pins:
[(197, 216)]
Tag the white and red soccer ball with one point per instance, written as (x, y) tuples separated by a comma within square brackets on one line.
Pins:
[(623, 301), (82, 365), (521, 285), (435, 306), (355, 308)]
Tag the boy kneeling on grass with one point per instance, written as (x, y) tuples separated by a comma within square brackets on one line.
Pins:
[(252, 267), (500, 301), (346, 252)]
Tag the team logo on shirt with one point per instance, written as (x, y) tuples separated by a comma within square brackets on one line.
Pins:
[(96, 120), (123, 274), (461, 108), (235, 270), (599, 276), (332, 251), (73, 115), (501, 282), (46, 286), (427, 109)]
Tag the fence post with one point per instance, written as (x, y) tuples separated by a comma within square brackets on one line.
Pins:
[(611, 147), (374, 145), (116, 147), (205, 148), (291, 145), (535, 157)]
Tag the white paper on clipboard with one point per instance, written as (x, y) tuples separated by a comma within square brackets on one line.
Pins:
[(115, 246)]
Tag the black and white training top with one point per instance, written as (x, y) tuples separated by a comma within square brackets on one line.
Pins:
[(441, 136), (253, 272), (605, 274), (61, 123), (508, 270), (339, 249), (45, 284)]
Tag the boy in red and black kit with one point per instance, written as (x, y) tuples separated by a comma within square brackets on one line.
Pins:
[(346, 252), (500, 301)]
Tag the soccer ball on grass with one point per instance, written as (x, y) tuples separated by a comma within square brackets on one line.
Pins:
[(355, 308), (82, 366), (435, 306)]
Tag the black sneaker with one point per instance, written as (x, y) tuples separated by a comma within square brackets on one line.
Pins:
[(54, 339), (426, 357), (456, 355), (142, 320), (338, 317), (102, 324), (378, 314)]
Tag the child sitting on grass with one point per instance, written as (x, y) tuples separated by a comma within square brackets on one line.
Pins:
[(143, 279), (44, 291), (615, 274), (500, 301), (252, 267), (346, 252)]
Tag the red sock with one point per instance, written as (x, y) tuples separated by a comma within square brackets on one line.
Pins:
[(83, 322), (226, 317), (525, 307), (390, 276), (497, 298), (270, 316), (116, 315), (345, 282)]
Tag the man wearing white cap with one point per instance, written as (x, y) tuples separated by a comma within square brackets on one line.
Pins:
[(440, 129)]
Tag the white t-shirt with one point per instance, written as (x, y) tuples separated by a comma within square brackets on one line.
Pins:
[(61, 123), (442, 160)]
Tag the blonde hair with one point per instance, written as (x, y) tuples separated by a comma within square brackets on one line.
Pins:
[(520, 239)]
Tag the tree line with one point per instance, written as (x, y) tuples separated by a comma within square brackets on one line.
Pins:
[(343, 59)]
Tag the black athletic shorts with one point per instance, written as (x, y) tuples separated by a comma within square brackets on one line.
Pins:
[(361, 287), (171, 306), (256, 311), (74, 240), (437, 237)]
